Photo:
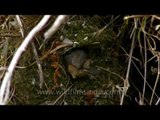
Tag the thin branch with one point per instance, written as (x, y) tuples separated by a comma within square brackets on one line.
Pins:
[(107, 69), (135, 16), (61, 19), (9, 35), (3, 68), (145, 68), (126, 83), (59, 47), (41, 77), (6, 97), (158, 101), (139, 72), (61, 95), (52, 51), (155, 16), (8, 75), (157, 79), (20, 25)]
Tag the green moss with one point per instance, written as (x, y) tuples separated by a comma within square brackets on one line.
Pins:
[(103, 46)]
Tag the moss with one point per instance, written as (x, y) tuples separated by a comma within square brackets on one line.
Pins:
[(103, 47)]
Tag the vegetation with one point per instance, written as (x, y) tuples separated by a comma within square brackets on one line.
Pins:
[(124, 49)]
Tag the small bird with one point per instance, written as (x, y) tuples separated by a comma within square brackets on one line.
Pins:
[(78, 64), (77, 61)]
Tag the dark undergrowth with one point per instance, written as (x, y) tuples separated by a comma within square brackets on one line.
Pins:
[(108, 42)]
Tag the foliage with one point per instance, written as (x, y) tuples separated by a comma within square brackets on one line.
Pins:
[(108, 42)]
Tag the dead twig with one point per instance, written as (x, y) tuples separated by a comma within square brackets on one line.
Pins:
[(135, 16), (145, 68), (52, 51), (5, 86), (107, 69), (41, 76), (140, 71), (61, 95), (157, 79), (61, 19), (9, 35), (59, 47), (126, 82), (20, 25)]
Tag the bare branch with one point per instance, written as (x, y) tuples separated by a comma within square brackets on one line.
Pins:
[(7, 78), (61, 95), (145, 67), (20, 25), (22, 28), (157, 79), (126, 82), (41, 78), (58, 22)]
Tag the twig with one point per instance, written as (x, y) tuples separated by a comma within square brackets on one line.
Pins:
[(58, 22), (12, 94), (135, 16), (155, 16), (157, 79), (145, 68), (9, 35), (7, 91), (41, 77), (158, 101), (3, 68), (111, 72), (61, 95), (8, 75), (126, 83), (59, 47), (52, 51), (139, 72), (20, 25)]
